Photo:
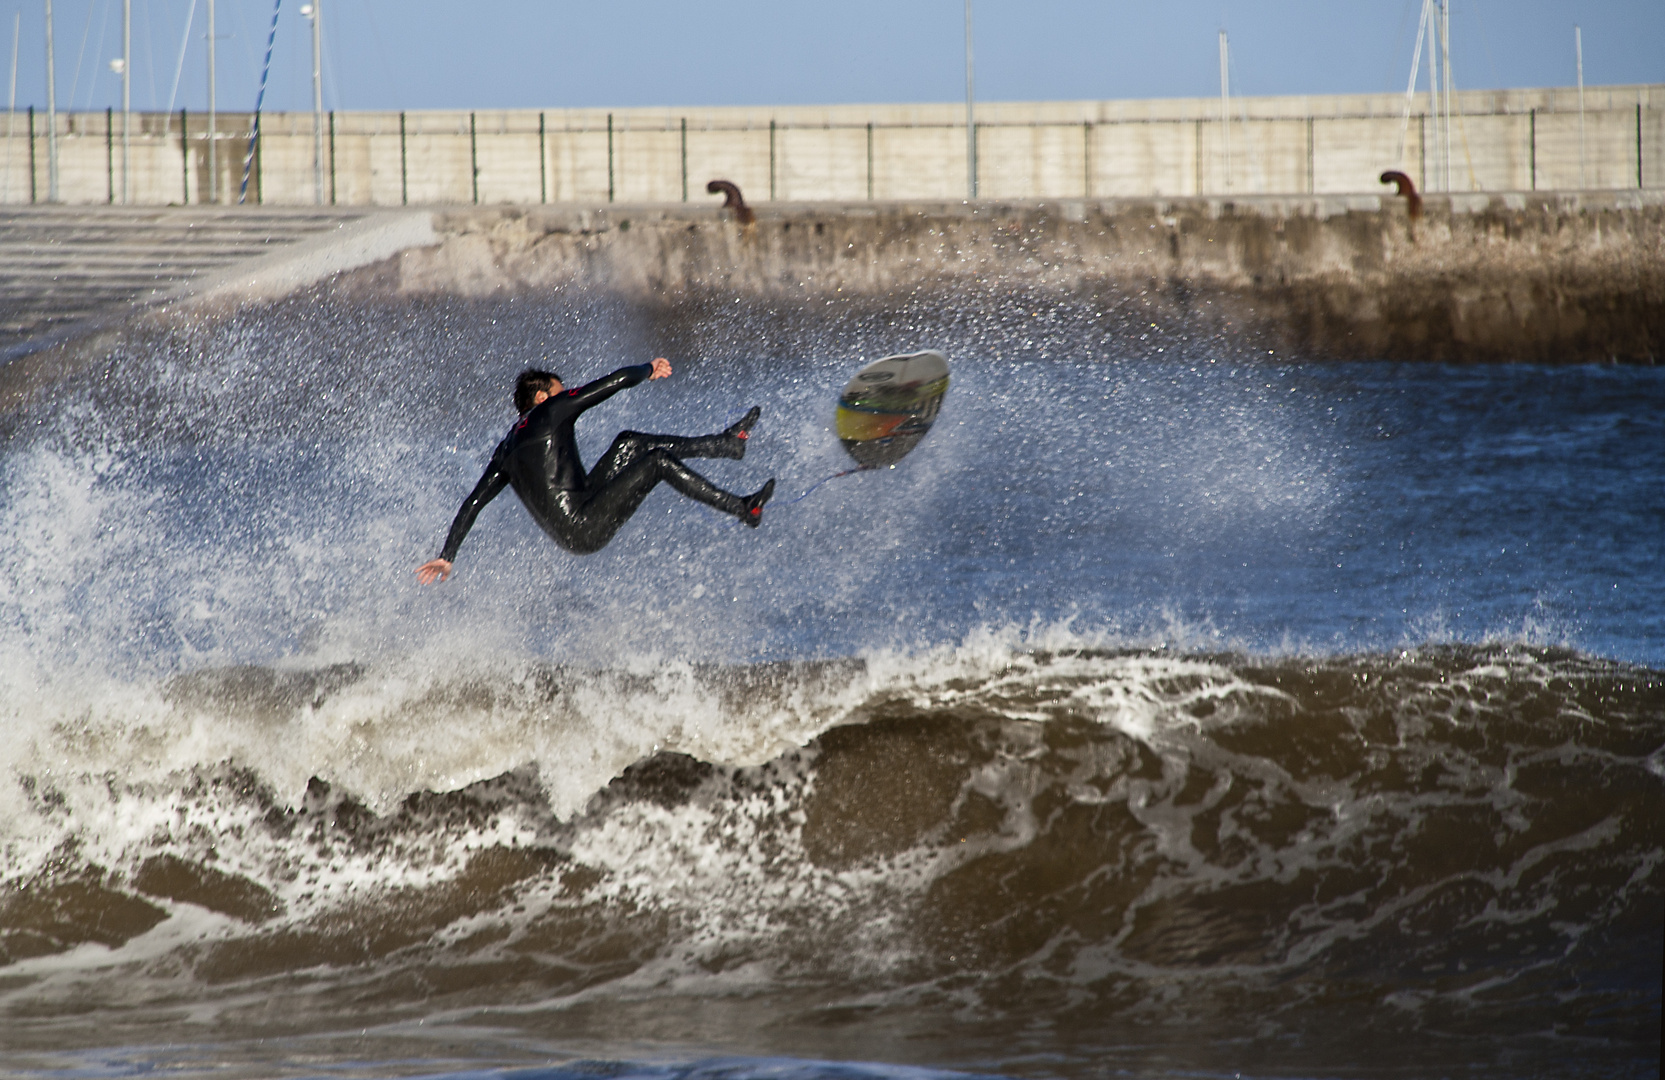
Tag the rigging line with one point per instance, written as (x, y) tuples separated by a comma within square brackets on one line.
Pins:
[(1451, 92), (381, 53), (179, 69), (150, 53), (1410, 87), (1398, 40), (328, 50), (259, 100), (97, 68), (240, 35), (75, 83), (11, 107)]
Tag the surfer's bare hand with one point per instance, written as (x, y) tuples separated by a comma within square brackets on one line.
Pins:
[(433, 570), (661, 368)]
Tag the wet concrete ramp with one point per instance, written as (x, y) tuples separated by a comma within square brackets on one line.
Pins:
[(62, 267)]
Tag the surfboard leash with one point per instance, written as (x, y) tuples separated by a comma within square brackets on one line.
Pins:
[(823, 480)]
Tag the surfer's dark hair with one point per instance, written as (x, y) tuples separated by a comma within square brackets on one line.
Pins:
[(529, 383)]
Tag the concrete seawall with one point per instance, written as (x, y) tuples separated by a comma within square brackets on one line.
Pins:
[(1544, 138), (1518, 277)]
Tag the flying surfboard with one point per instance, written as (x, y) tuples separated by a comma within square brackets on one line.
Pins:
[(886, 409), (889, 406)]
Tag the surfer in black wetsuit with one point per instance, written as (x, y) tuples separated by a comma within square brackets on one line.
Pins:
[(582, 510)]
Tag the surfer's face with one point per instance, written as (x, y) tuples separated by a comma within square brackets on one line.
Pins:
[(555, 387)]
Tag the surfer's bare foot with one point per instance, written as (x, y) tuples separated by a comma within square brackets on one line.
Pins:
[(753, 514), (741, 429)]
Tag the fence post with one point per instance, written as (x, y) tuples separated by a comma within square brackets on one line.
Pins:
[(1422, 149), (1312, 165), (543, 164), (1197, 181), (31, 153), (332, 157), (110, 152), (473, 160), (184, 160), (404, 168), (609, 157), (870, 161), (1086, 159)]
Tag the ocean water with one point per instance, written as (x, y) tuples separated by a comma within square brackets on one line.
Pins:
[(1176, 708)]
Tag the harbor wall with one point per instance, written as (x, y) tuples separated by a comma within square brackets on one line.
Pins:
[(1610, 138), (1476, 278)]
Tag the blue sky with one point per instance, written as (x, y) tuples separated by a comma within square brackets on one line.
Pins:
[(426, 54)]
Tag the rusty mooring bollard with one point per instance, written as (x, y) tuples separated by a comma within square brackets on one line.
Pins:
[(735, 201), (1413, 201)]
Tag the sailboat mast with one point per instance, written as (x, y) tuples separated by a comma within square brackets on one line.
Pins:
[(1225, 104)]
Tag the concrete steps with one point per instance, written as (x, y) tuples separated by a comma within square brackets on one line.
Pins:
[(63, 265)]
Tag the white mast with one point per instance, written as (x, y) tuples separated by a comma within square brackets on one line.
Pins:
[(51, 114), (970, 114), (1431, 14), (127, 101), (1445, 55), (213, 160), (1225, 105), (1578, 47), (311, 12)]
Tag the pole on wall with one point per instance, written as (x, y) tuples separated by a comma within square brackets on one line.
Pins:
[(1086, 159), (970, 113), (870, 161), (1312, 165), (11, 108), (184, 158), (1445, 81), (110, 154), (609, 157), (543, 163), (251, 160), (684, 159), (1432, 18), (1225, 106), (1532, 145), (310, 11), (32, 154), (1578, 48), (473, 160), (51, 114), (332, 156), (404, 167)]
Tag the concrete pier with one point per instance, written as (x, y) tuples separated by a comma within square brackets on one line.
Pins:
[(1532, 277), (1559, 278)]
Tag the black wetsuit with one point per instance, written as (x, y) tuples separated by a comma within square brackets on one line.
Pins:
[(581, 511)]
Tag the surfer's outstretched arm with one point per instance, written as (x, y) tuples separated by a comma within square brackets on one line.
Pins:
[(491, 484), (592, 394)]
